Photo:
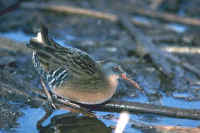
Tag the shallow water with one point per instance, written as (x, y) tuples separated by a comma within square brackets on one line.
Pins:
[(141, 19), (177, 27), (32, 115), (22, 37), (17, 36)]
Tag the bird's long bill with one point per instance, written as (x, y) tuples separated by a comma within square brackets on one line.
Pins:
[(135, 84)]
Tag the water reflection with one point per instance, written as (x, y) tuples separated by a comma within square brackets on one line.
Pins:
[(72, 123), (177, 27), (17, 36), (20, 36), (141, 19)]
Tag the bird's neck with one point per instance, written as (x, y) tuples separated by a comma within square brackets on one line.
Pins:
[(113, 80)]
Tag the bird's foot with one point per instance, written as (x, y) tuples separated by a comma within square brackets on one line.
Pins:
[(51, 104)]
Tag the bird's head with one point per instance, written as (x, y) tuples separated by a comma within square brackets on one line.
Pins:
[(115, 70)]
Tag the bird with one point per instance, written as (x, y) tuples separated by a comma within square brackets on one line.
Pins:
[(73, 74)]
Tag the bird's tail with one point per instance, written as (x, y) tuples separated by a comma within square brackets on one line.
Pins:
[(44, 47), (43, 39), (44, 34)]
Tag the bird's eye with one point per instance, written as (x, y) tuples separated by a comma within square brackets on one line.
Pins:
[(116, 68)]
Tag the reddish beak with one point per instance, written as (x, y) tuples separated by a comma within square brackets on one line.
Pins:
[(135, 84)]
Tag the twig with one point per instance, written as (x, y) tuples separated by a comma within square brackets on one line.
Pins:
[(176, 129), (146, 46), (135, 107), (164, 129), (165, 16), (113, 17), (181, 50), (10, 8), (79, 11), (88, 12)]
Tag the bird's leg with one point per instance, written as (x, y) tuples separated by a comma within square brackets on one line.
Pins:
[(49, 97)]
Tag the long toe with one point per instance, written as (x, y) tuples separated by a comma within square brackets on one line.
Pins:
[(51, 105)]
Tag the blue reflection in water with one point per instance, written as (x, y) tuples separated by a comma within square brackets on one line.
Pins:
[(17, 36), (178, 103), (141, 19), (29, 120), (22, 37), (177, 27), (31, 116)]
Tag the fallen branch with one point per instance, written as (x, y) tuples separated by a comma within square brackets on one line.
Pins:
[(79, 11), (165, 16), (146, 46), (164, 129), (10, 8), (71, 10), (135, 107), (113, 17), (181, 50), (176, 129)]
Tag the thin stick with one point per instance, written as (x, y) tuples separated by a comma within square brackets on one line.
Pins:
[(79, 11), (164, 128), (71, 10), (11, 8), (164, 16), (112, 17), (135, 107)]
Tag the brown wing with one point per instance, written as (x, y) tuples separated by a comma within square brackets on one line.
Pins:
[(52, 55)]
